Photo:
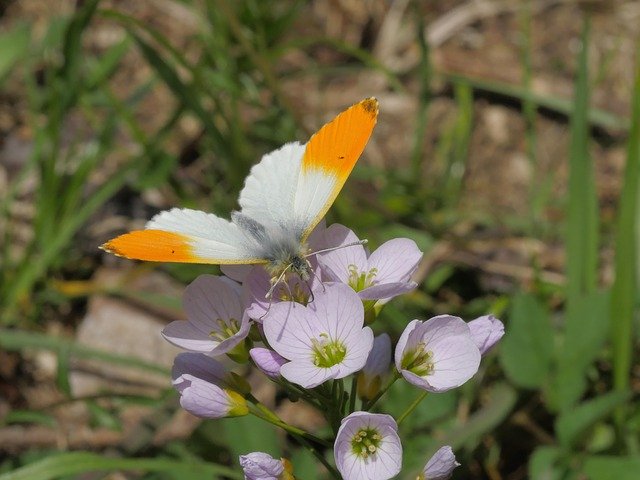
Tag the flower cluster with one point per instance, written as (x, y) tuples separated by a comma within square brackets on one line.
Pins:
[(308, 336)]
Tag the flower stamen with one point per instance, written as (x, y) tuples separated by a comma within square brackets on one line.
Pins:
[(226, 329), (327, 352), (419, 361), (366, 442), (360, 280)]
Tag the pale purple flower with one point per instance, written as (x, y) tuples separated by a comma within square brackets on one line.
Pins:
[(267, 361), (384, 274), (486, 332), (368, 447), (291, 289), (437, 355), (377, 367), (322, 341), (236, 272), (216, 322), (440, 466), (204, 387), (262, 466)]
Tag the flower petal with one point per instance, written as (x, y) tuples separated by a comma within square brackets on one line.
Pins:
[(486, 332), (306, 374), (268, 361), (261, 466), (199, 365), (401, 346), (338, 261), (379, 357), (290, 328), (385, 291), (209, 298), (395, 260), (441, 465)]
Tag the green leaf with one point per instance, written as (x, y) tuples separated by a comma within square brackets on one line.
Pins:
[(582, 213), (607, 467), (187, 95), (586, 330), (542, 464), (305, 465), (432, 408), (29, 416), (572, 424), (625, 286), (62, 371), (526, 352), (107, 64), (501, 399), (68, 464), (14, 46), (251, 434), (102, 417)]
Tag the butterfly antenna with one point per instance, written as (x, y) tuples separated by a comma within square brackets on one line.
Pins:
[(267, 310), (275, 283), (331, 249), (312, 297), (315, 276)]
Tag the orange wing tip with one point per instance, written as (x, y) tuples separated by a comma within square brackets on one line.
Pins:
[(336, 147), (153, 246), (370, 105)]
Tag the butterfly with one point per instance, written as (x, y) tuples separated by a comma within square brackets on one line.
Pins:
[(283, 199)]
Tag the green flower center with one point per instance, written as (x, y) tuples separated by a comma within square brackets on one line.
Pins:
[(227, 329), (366, 442), (360, 280), (327, 352), (419, 361)]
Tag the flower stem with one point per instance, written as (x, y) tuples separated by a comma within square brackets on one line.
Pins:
[(369, 405), (332, 470), (412, 407), (263, 412), (352, 394)]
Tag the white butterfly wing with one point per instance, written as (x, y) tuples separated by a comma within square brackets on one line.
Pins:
[(269, 191), (293, 187), (188, 236)]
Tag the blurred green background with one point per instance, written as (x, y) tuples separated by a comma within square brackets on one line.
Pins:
[(508, 147)]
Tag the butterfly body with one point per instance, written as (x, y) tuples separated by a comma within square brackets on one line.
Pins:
[(284, 197)]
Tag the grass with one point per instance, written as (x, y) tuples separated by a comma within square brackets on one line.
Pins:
[(235, 87)]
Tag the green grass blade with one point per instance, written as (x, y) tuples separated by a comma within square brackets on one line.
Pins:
[(606, 467), (582, 213), (572, 425), (14, 46), (597, 117), (17, 340), (424, 99), (625, 285), (581, 241), (74, 463)]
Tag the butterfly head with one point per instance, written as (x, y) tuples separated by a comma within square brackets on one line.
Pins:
[(291, 262)]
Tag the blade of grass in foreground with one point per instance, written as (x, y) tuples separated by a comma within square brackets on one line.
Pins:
[(582, 213), (17, 340), (68, 464), (623, 296), (581, 245)]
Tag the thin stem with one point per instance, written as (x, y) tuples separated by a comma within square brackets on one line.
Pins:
[(369, 405), (332, 470), (412, 407), (262, 411), (352, 394)]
